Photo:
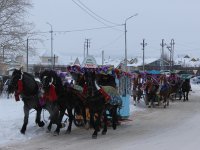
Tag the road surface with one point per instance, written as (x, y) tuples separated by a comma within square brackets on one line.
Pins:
[(153, 128)]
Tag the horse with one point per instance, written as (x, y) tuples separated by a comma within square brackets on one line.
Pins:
[(137, 91), (164, 91), (23, 84), (185, 88), (66, 98), (151, 93), (175, 89), (98, 103)]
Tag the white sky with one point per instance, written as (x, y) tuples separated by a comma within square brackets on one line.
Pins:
[(156, 20)]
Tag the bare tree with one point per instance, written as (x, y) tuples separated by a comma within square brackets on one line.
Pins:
[(13, 25)]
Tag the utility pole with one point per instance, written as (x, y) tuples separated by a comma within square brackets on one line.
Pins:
[(170, 58), (162, 54), (102, 57), (84, 50), (52, 63), (87, 45), (172, 53), (143, 46)]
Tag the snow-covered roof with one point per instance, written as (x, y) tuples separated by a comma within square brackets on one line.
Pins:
[(114, 61), (47, 53), (187, 62)]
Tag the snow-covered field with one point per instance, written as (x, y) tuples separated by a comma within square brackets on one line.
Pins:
[(152, 129)]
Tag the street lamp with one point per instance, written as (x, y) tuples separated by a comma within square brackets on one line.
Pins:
[(51, 44), (125, 31), (126, 69)]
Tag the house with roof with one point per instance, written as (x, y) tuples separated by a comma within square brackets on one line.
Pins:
[(7, 63)]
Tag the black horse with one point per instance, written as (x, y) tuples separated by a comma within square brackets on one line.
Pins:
[(185, 88), (175, 89), (67, 98), (23, 84), (98, 105)]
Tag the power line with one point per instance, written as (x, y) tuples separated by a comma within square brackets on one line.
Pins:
[(88, 29), (95, 13), (89, 13), (75, 30), (93, 16)]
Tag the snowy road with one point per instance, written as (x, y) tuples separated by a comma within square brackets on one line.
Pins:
[(152, 129)]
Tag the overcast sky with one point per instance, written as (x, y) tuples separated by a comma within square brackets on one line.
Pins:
[(156, 20)]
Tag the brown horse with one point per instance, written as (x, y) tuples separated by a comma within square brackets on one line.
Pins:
[(164, 91), (150, 90), (137, 91)]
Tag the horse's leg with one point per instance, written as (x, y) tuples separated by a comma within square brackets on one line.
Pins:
[(26, 116), (183, 96), (149, 100), (114, 117), (83, 110), (58, 122), (137, 96), (97, 118), (70, 121), (167, 100), (140, 95), (87, 116), (134, 99), (38, 117), (164, 101), (187, 95), (180, 94), (152, 100), (105, 119), (91, 118), (49, 109), (49, 126)]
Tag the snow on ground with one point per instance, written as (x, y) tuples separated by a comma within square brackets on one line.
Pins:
[(11, 120), (145, 132)]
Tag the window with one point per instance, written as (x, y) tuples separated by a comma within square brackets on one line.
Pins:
[(49, 59)]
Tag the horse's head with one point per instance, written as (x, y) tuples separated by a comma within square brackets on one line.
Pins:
[(50, 80), (13, 85), (90, 80), (48, 77)]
